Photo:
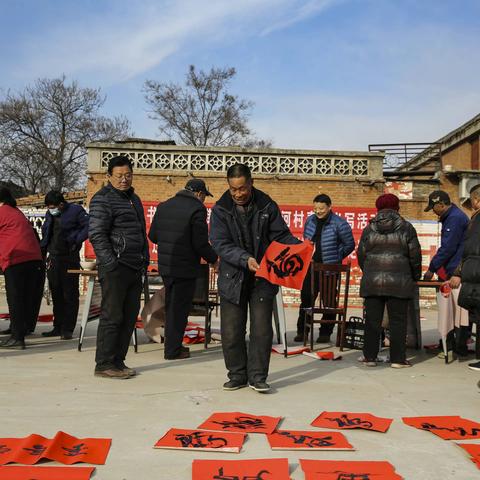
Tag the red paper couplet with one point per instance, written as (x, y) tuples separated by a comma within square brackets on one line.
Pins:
[(240, 422), (62, 448), (286, 265), (307, 440), (473, 450), (202, 440), (46, 473), (348, 420), (264, 469), (446, 427), (348, 470)]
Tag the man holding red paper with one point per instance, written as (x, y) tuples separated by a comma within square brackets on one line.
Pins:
[(243, 224)]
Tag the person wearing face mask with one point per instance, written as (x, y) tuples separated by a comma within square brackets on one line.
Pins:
[(63, 232), (243, 223), (333, 239), (21, 262)]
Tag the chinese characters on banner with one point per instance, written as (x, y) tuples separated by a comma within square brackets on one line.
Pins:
[(202, 440), (446, 427), (46, 473), (62, 448), (240, 422), (346, 420), (348, 470), (261, 469), (307, 440)]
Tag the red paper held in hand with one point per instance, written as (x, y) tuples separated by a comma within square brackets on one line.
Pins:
[(62, 448), (202, 440), (46, 473), (446, 427), (286, 265), (306, 440), (262, 469), (348, 420), (348, 470), (240, 422)]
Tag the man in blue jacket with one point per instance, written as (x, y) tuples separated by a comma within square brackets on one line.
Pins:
[(243, 224), (63, 232), (444, 263), (334, 241)]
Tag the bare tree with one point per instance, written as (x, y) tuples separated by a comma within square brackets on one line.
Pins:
[(202, 112), (44, 131)]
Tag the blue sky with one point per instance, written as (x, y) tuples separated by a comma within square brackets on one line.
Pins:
[(324, 74)]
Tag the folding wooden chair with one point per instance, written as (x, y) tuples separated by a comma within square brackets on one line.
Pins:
[(329, 298)]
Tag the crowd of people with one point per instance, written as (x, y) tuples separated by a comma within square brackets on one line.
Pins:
[(244, 222)]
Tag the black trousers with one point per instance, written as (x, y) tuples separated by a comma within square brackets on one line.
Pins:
[(65, 294), (121, 290), (178, 302), (251, 364), (23, 282), (397, 309), (307, 301)]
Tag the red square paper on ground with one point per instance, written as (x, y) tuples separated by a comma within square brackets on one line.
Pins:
[(348, 420), (261, 469), (348, 470), (46, 473), (307, 440), (240, 422), (183, 439), (446, 427)]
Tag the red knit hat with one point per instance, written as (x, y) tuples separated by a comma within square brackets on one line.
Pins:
[(387, 200)]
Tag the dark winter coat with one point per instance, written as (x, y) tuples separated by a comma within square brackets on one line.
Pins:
[(390, 257), (469, 296), (337, 239), (226, 237), (74, 227), (180, 230), (117, 229), (454, 224)]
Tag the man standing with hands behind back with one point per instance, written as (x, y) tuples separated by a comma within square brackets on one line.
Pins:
[(243, 224)]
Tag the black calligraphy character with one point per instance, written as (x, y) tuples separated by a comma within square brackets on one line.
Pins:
[(196, 440), (258, 476), (36, 450), (242, 423), (308, 441), (285, 265), (344, 421), (4, 449), (352, 476), (80, 449), (460, 430)]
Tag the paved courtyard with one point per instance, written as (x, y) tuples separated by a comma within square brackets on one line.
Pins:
[(50, 387)]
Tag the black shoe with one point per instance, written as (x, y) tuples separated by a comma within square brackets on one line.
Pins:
[(474, 366), (234, 385), (7, 331), (323, 339), (13, 344), (261, 387), (299, 338), (180, 356), (66, 336), (51, 333), (184, 349)]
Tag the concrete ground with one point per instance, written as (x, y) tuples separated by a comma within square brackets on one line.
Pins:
[(50, 387)]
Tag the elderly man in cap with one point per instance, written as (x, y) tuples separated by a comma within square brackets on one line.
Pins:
[(179, 228), (444, 263)]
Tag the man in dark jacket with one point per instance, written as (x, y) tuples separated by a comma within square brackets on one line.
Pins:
[(118, 235), (63, 232), (444, 263), (390, 257), (243, 224), (179, 228), (334, 241), (467, 274)]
